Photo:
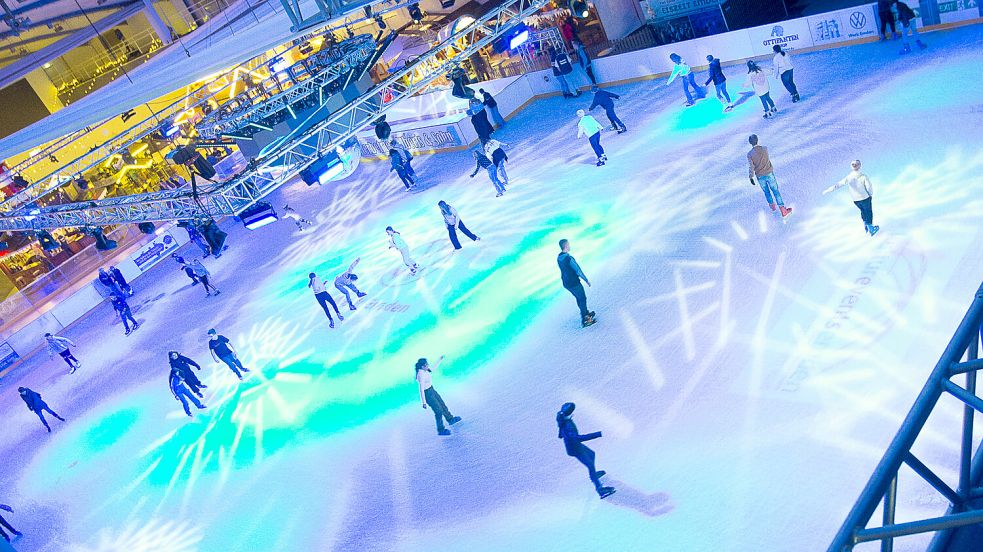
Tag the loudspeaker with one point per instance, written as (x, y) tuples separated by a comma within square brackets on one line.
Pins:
[(182, 155), (204, 168), (214, 236), (147, 227)]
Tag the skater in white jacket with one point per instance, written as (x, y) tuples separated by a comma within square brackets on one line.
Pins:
[(396, 242), (589, 127), (782, 63), (862, 192), (758, 81)]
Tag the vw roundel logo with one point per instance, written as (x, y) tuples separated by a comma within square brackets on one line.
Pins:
[(858, 20), (777, 30)]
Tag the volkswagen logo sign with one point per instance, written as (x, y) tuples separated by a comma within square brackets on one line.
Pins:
[(858, 20), (777, 30)]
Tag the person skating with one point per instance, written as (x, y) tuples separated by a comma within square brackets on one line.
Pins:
[(198, 239), (482, 162), (185, 268), (886, 16), (782, 63), (560, 62), (680, 69), (183, 391), (758, 81), (492, 107), (570, 276), (430, 397), (479, 120), (396, 164), (862, 192), (584, 60), (182, 365), (202, 273), (346, 281), (495, 151), (453, 221), (396, 242), (605, 99), (573, 441), (5, 524), (60, 345), (221, 349), (906, 16), (290, 213), (110, 284), (589, 127), (716, 75), (760, 168), (37, 405), (121, 280), (405, 156), (125, 314), (323, 298)]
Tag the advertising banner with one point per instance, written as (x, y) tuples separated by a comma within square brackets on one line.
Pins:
[(419, 139), (7, 355), (790, 35), (669, 9), (148, 255), (842, 25)]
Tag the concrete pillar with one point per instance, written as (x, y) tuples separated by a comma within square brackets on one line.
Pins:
[(619, 17), (156, 22), (45, 90)]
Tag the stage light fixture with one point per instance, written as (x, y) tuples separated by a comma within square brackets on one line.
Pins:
[(446, 3), (415, 14), (258, 215), (323, 170), (580, 8)]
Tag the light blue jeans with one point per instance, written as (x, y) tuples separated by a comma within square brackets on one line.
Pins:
[(564, 86), (770, 187)]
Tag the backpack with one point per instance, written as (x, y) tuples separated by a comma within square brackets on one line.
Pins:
[(563, 66)]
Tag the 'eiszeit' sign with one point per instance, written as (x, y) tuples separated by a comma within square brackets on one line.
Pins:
[(668, 9), (154, 251), (789, 35)]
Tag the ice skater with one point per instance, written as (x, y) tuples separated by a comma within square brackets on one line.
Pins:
[(396, 242), (221, 349), (589, 127), (570, 276), (782, 64), (584, 60), (301, 222), (482, 162), (202, 274), (560, 62), (346, 281), (429, 395), (479, 120), (758, 81), (125, 314), (491, 106), (606, 99), (759, 167), (185, 268), (906, 16), (8, 526), (61, 345), (396, 164), (452, 221), (110, 284), (184, 391), (862, 192), (37, 405), (120, 280), (195, 235), (323, 298), (495, 151), (680, 69), (716, 75), (886, 16), (182, 365), (405, 156), (574, 443)]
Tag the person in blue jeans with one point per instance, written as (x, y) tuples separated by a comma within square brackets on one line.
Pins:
[(346, 281), (482, 162), (716, 76), (125, 314), (220, 348), (181, 392), (759, 166), (680, 69)]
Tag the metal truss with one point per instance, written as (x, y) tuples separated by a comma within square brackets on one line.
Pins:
[(284, 162), (965, 505), (353, 52)]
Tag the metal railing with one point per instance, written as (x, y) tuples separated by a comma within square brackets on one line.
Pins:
[(883, 484)]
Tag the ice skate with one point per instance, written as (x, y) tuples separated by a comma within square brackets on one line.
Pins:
[(605, 492), (690, 104), (128, 332), (921, 45), (351, 307), (622, 131), (72, 370), (728, 108), (786, 212), (499, 194), (455, 419), (331, 324), (360, 294), (773, 206), (604, 157), (340, 318), (588, 320), (873, 230), (599, 163), (444, 432)]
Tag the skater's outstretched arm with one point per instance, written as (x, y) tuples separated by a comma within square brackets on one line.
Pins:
[(838, 185), (675, 72), (351, 267), (435, 366), (590, 436)]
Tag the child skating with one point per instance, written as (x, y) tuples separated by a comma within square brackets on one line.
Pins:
[(758, 81), (862, 193), (396, 242)]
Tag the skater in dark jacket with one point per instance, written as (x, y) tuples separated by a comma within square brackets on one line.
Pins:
[(429, 395), (886, 16), (110, 284), (716, 76), (37, 405), (125, 314), (396, 164), (182, 365), (479, 119), (4, 524), (570, 275), (906, 16), (606, 99), (187, 269), (221, 348), (574, 443), (492, 107), (482, 162), (182, 391), (120, 280)]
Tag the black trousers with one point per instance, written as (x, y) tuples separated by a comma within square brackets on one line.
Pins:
[(127, 314), (887, 18), (581, 295), (3, 523), (69, 357), (586, 457), (436, 404), (207, 284), (323, 299), (453, 233), (40, 412), (613, 117), (866, 210)]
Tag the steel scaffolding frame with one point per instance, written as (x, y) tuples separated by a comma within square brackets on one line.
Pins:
[(883, 484), (284, 162)]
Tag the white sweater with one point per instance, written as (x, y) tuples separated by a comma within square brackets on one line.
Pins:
[(758, 81), (859, 184), (782, 63), (588, 126)]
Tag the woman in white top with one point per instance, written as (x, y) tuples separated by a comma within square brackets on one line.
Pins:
[(429, 395), (495, 151), (453, 221), (323, 297), (782, 63), (862, 192), (396, 242), (758, 80), (589, 127)]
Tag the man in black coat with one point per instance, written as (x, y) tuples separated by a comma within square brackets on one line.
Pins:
[(118, 277), (574, 443), (182, 365), (37, 405), (606, 99), (716, 75), (125, 314), (571, 275), (479, 119)]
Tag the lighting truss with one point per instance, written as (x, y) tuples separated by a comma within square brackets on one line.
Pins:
[(284, 162)]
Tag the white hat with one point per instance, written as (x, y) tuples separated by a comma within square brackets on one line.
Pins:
[(581, 113)]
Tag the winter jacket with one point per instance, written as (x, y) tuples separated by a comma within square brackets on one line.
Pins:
[(483, 163), (199, 269), (572, 439), (603, 98), (481, 124), (859, 185), (489, 100), (490, 146), (59, 344), (452, 218), (758, 80), (759, 164), (884, 8), (32, 399), (118, 276), (588, 126), (120, 305), (561, 64), (781, 64), (715, 74), (680, 70), (905, 13), (183, 364), (570, 272)]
